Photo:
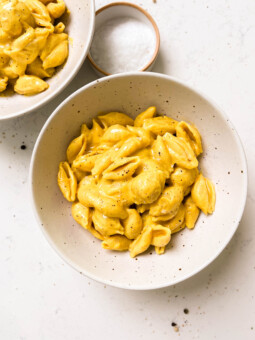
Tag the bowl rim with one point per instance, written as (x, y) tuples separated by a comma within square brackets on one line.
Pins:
[(68, 79), (154, 25), (243, 195)]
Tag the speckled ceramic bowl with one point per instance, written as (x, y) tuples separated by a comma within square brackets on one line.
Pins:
[(80, 27), (223, 162)]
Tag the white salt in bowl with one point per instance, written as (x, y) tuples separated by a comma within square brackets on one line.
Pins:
[(223, 161), (107, 56), (80, 28)]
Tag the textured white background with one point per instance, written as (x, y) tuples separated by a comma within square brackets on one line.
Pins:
[(208, 44)]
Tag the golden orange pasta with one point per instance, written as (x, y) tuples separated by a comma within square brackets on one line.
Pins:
[(31, 47), (135, 183)]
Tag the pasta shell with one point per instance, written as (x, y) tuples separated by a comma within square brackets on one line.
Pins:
[(191, 213), (168, 203), (151, 165), (203, 194), (105, 225), (148, 113), (147, 187), (191, 135), (58, 56), (119, 243), (160, 125), (147, 220), (41, 35), (36, 69), (53, 40), (76, 148), (182, 226), (86, 162), (18, 68), (29, 85), (128, 147), (27, 47), (177, 221), (184, 177), (9, 20), (118, 190), (88, 195), (40, 13), (132, 224), (94, 138), (161, 236), (160, 250), (102, 162), (122, 168), (24, 14), (8, 72), (102, 147), (81, 215), (59, 28), (85, 130), (180, 151), (160, 153), (67, 181), (143, 153), (162, 218), (145, 136), (78, 173), (141, 243), (13, 70), (22, 41), (115, 133), (113, 118), (96, 133), (57, 9)]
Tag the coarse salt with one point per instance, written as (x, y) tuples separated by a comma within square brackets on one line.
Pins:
[(123, 44)]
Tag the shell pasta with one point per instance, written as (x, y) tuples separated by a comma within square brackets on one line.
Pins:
[(31, 47), (134, 183)]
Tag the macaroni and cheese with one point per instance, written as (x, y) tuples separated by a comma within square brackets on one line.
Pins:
[(134, 183), (32, 45)]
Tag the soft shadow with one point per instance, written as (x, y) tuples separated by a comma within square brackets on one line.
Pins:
[(160, 65)]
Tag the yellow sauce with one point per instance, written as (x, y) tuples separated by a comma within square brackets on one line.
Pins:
[(31, 46), (134, 183)]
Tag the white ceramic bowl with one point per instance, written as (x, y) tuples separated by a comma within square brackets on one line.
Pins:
[(80, 27), (223, 162)]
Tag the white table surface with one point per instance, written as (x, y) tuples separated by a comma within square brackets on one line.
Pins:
[(208, 44)]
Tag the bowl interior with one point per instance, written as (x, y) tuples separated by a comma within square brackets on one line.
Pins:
[(223, 162), (80, 27)]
